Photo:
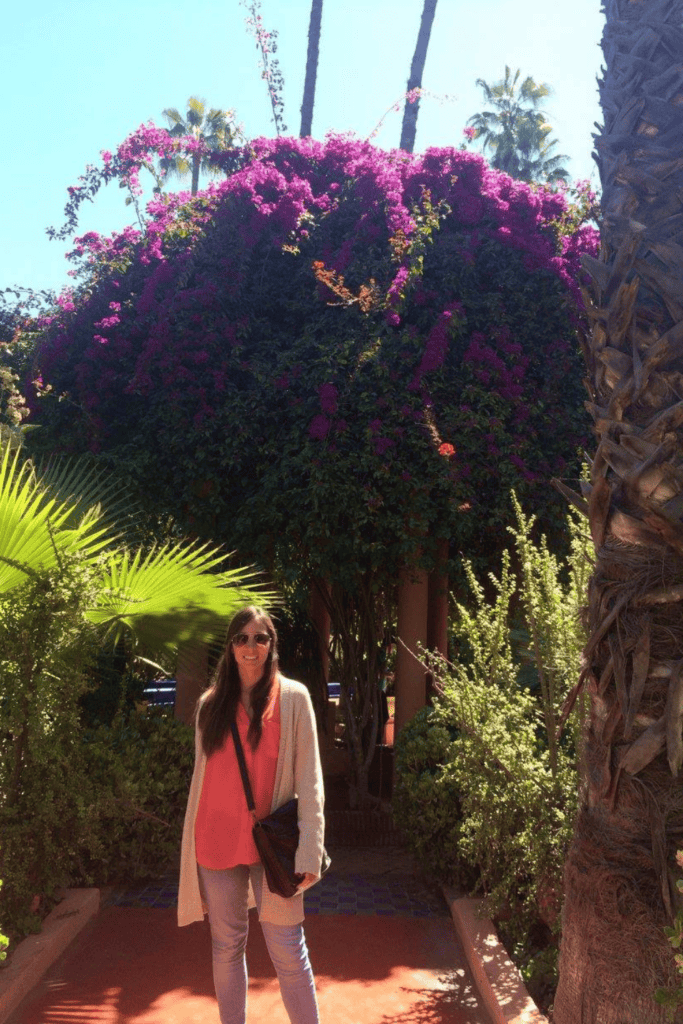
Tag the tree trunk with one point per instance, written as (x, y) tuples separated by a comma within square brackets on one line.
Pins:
[(619, 873), (192, 678), (410, 111), (320, 617), (196, 161), (412, 634), (358, 630), (311, 67)]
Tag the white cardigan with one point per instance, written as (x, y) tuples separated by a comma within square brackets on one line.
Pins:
[(298, 774)]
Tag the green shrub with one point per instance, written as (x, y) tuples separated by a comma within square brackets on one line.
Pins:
[(485, 792), (111, 811), (141, 767), (76, 806), (427, 790), (47, 800)]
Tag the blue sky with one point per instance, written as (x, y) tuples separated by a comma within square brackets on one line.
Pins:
[(79, 75)]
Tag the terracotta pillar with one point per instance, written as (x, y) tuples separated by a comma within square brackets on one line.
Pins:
[(320, 617), (411, 690), (192, 676), (437, 614)]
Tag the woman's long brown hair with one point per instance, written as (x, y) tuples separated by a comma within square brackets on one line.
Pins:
[(217, 708)]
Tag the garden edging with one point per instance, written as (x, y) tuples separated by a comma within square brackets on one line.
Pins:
[(36, 954), (498, 981)]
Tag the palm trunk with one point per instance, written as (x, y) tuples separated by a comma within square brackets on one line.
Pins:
[(311, 67), (196, 161), (411, 110), (619, 891)]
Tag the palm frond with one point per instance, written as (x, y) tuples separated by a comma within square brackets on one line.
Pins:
[(36, 527), (173, 594), (84, 486), (196, 109), (173, 116), (175, 166)]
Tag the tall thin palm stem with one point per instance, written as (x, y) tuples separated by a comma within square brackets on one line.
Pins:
[(412, 104), (311, 67)]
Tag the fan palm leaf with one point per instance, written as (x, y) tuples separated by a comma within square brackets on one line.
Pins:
[(36, 527), (83, 486), (172, 595), (163, 597)]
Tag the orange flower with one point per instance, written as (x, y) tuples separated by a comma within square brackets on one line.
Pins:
[(447, 450)]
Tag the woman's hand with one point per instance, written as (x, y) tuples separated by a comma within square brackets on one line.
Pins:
[(309, 880)]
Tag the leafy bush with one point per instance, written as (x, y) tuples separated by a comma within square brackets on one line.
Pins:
[(46, 797), (426, 803), (140, 767), (117, 687), (485, 793), (110, 809)]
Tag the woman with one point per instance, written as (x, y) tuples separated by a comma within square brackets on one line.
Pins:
[(219, 868)]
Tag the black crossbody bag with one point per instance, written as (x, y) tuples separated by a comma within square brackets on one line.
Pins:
[(276, 836)]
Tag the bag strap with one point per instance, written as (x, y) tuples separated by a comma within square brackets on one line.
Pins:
[(243, 768)]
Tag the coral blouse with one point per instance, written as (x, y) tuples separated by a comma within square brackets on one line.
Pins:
[(223, 825)]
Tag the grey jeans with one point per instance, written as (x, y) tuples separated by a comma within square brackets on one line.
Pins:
[(226, 893)]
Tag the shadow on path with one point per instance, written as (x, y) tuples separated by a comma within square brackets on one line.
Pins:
[(135, 966)]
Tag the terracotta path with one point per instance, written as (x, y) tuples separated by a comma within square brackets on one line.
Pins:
[(378, 962)]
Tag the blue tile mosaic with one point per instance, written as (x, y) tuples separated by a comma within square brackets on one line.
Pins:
[(335, 894)]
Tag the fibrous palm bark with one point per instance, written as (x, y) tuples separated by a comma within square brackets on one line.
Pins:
[(619, 891)]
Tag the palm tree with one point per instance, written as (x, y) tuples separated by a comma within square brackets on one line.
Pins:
[(516, 130), (412, 105), (311, 67), (214, 129), (620, 870)]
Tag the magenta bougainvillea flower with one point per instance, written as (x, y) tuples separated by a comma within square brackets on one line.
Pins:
[(342, 313)]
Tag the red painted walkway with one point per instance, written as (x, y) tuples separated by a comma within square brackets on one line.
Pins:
[(135, 966)]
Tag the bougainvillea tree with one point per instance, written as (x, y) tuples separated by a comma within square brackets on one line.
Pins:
[(332, 361)]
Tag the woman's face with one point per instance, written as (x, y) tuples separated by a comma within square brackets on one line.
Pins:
[(251, 656)]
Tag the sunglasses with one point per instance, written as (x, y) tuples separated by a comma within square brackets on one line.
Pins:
[(242, 639)]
